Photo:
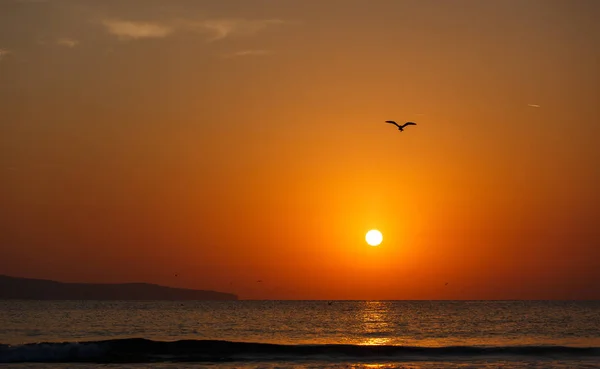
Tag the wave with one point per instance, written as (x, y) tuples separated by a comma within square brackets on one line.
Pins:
[(139, 350)]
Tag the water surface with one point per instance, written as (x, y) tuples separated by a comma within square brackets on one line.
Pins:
[(412, 334)]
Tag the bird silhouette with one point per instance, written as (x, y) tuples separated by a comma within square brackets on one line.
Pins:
[(401, 127)]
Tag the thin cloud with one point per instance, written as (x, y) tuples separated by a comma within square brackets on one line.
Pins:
[(216, 29), (249, 53), (533, 105), (127, 30), (223, 28), (4, 53), (67, 42)]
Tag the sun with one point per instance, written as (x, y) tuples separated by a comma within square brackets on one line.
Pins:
[(374, 237)]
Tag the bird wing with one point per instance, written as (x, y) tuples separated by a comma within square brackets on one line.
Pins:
[(392, 122), (409, 124)]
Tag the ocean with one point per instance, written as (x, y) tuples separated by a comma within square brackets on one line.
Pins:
[(300, 334)]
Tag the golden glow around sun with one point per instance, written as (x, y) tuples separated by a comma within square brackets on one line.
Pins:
[(374, 237)]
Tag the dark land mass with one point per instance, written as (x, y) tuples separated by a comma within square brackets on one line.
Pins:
[(13, 288)]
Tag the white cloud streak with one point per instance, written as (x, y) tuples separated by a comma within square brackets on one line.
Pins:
[(219, 29), (67, 42), (533, 105), (250, 53), (128, 30), (215, 29)]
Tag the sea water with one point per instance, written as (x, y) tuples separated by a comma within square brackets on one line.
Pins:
[(306, 334)]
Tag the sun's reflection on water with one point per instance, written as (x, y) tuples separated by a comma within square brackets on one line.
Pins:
[(372, 366), (376, 323)]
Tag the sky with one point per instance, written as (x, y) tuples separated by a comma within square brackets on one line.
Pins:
[(213, 144)]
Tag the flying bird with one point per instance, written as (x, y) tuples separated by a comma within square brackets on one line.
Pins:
[(401, 127)]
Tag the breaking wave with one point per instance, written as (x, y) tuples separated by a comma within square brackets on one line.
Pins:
[(139, 350)]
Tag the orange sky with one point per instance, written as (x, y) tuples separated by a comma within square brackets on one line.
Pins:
[(232, 141)]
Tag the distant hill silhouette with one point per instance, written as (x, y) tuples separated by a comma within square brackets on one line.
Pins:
[(13, 288)]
